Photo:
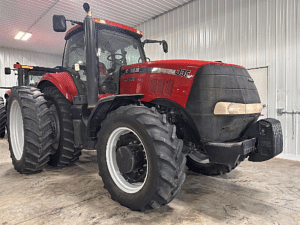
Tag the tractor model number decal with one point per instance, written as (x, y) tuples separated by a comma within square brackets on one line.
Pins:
[(184, 73)]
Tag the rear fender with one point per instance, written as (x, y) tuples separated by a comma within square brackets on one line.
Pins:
[(6, 95), (103, 107), (63, 81)]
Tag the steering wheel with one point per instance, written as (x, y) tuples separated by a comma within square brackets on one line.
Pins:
[(140, 60), (109, 58)]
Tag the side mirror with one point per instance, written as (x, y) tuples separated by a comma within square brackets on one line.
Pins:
[(7, 70), (165, 46), (59, 23)]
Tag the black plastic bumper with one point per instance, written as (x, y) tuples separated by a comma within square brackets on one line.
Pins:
[(263, 141)]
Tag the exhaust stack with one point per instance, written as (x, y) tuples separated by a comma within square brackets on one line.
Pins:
[(91, 58)]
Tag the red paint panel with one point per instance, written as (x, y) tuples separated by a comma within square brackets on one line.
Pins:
[(122, 26), (104, 96), (17, 66), (64, 82), (153, 85)]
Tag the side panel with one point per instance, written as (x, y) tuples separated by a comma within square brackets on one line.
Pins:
[(169, 84), (63, 81)]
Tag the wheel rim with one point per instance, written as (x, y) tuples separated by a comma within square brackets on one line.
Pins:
[(55, 126), (16, 130), (199, 157), (113, 168)]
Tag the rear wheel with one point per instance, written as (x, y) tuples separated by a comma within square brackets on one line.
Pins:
[(29, 129), (199, 163), (2, 118), (140, 158), (62, 148)]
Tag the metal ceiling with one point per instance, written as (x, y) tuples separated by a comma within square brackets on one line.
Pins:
[(35, 16)]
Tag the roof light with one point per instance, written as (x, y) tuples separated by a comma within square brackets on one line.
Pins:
[(19, 35), (24, 36), (27, 67)]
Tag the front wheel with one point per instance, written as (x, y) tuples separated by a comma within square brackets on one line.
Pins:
[(140, 158)]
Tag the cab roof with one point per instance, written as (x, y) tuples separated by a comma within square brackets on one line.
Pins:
[(109, 25)]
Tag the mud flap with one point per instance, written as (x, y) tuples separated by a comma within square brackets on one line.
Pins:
[(269, 140)]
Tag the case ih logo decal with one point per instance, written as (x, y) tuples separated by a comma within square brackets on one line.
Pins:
[(178, 72)]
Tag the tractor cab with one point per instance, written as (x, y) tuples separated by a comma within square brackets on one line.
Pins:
[(116, 46)]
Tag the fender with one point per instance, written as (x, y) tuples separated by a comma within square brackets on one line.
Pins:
[(6, 95), (63, 81), (186, 127), (99, 113)]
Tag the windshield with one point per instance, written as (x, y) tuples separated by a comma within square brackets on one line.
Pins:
[(74, 51), (115, 50)]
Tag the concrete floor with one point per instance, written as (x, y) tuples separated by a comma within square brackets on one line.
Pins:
[(254, 193)]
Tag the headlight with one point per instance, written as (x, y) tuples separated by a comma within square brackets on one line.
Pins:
[(231, 108)]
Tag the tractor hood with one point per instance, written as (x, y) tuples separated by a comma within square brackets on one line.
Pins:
[(168, 79), (175, 64)]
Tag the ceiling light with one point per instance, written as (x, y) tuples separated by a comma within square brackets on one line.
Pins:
[(19, 35), (26, 36)]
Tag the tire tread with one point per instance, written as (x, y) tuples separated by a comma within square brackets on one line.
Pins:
[(2, 118), (65, 154)]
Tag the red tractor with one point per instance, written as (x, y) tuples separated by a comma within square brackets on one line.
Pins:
[(147, 119)]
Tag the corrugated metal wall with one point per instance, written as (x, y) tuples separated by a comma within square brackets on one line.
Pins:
[(9, 56), (252, 33)]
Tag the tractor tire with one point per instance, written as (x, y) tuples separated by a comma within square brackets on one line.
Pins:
[(199, 163), (2, 118), (140, 158), (29, 129), (63, 151)]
